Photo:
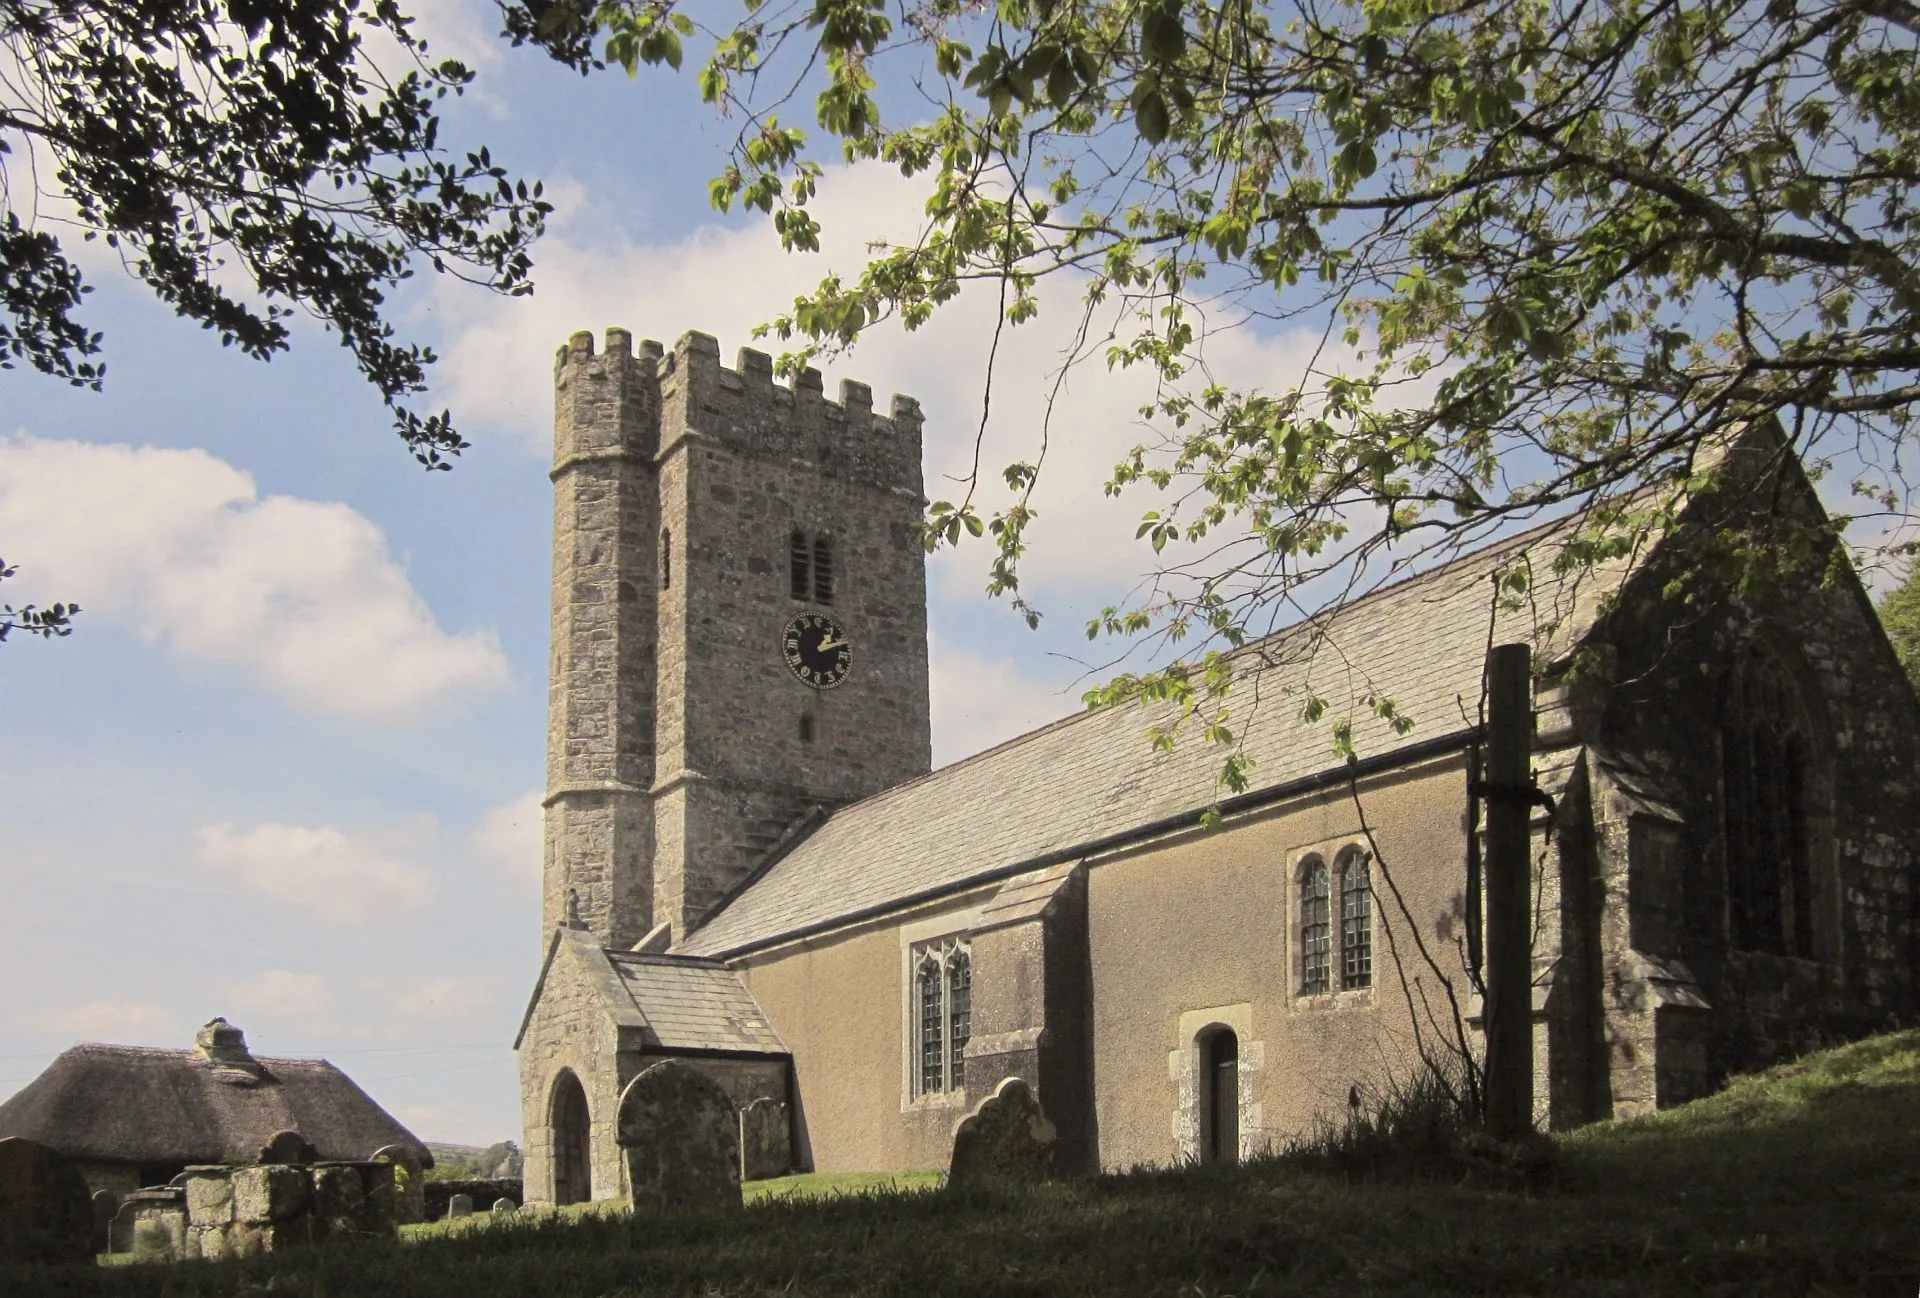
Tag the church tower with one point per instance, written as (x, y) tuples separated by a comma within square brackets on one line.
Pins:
[(739, 624)]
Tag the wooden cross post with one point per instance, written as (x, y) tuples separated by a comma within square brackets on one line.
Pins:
[(1509, 916)]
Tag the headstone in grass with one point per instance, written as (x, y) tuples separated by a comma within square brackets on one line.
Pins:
[(409, 1181), (46, 1214), (1007, 1137), (501, 1207), (766, 1150), (287, 1148), (680, 1136), (460, 1205)]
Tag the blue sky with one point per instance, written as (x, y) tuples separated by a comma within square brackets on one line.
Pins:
[(287, 770)]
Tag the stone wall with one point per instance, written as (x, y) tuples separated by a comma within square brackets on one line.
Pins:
[(676, 756), (1670, 969), (224, 1212)]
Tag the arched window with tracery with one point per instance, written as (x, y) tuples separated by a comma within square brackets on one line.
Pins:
[(933, 1076), (1356, 919), (1767, 751), (943, 1016), (1316, 929), (959, 1015)]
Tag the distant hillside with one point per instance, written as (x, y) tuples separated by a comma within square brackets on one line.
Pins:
[(472, 1161)]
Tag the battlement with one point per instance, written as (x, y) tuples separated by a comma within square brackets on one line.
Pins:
[(685, 391)]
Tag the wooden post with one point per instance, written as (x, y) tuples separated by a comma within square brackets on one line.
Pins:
[(1509, 914)]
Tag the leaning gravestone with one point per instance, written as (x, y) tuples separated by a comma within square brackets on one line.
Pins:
[(460, 1205), (681, 1139), (501, 1207), (1006, 1138), (46, 1214), (409, 1181)]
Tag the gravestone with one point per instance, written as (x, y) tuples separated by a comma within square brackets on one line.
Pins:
[(681, 1139), (766, 1151), (409, 1181), (287, 1147), (1006, 1138), (46, 1214), (501, 1207), (152, 1221), (460, 1205), (105, 1204)]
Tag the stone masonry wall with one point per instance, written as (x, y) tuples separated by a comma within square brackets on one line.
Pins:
[(744, 463), (1670, 673), (600, 745), (570, 1030)]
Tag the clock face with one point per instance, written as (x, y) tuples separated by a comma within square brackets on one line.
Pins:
[(816, 651)]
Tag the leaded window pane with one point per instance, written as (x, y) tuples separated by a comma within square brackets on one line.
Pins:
[(1356, 923), (959, 1016), (932, 1056), (1315, 930)]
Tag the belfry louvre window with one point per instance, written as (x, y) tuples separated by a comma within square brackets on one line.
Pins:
[(810, 567), (1766, 747), (943, 1016), (1356, 920), (1316, 930), (800, 566), (823, 570)]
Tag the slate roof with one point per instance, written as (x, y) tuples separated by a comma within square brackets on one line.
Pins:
[(135, 1104), (1093, 776), (694, 1004)]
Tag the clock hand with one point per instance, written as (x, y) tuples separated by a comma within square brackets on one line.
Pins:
[(825, 645)]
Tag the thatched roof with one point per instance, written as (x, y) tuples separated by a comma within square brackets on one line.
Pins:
[(215, 1103)]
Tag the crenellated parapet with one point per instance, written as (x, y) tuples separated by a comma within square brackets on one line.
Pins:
[(650, 401)]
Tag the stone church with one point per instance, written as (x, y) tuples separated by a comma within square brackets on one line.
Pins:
[(751, 868)]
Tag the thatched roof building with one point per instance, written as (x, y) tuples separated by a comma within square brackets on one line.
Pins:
[(133, 1115)]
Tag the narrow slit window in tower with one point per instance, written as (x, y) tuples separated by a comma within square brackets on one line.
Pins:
[(666, 558), (806, 727)]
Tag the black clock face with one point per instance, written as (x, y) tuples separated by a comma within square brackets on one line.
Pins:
[(817, 651)]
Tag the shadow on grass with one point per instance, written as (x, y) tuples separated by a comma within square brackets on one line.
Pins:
[(1805, 1180)]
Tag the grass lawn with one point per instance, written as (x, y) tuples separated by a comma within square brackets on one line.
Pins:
[(1804, 1180)]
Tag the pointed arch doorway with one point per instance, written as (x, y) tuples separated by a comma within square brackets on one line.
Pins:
[(572, 1126)]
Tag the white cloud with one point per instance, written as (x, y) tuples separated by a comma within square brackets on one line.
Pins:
[(119, 1022), (281, 994), (498, 362), (511, 835), (322, 870), (978, 702), (303, 595)]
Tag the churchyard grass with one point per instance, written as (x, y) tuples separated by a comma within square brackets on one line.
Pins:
[(1804, 1180)]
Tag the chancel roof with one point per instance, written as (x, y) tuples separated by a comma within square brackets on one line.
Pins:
[(1095, 777), (135, 1104)]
